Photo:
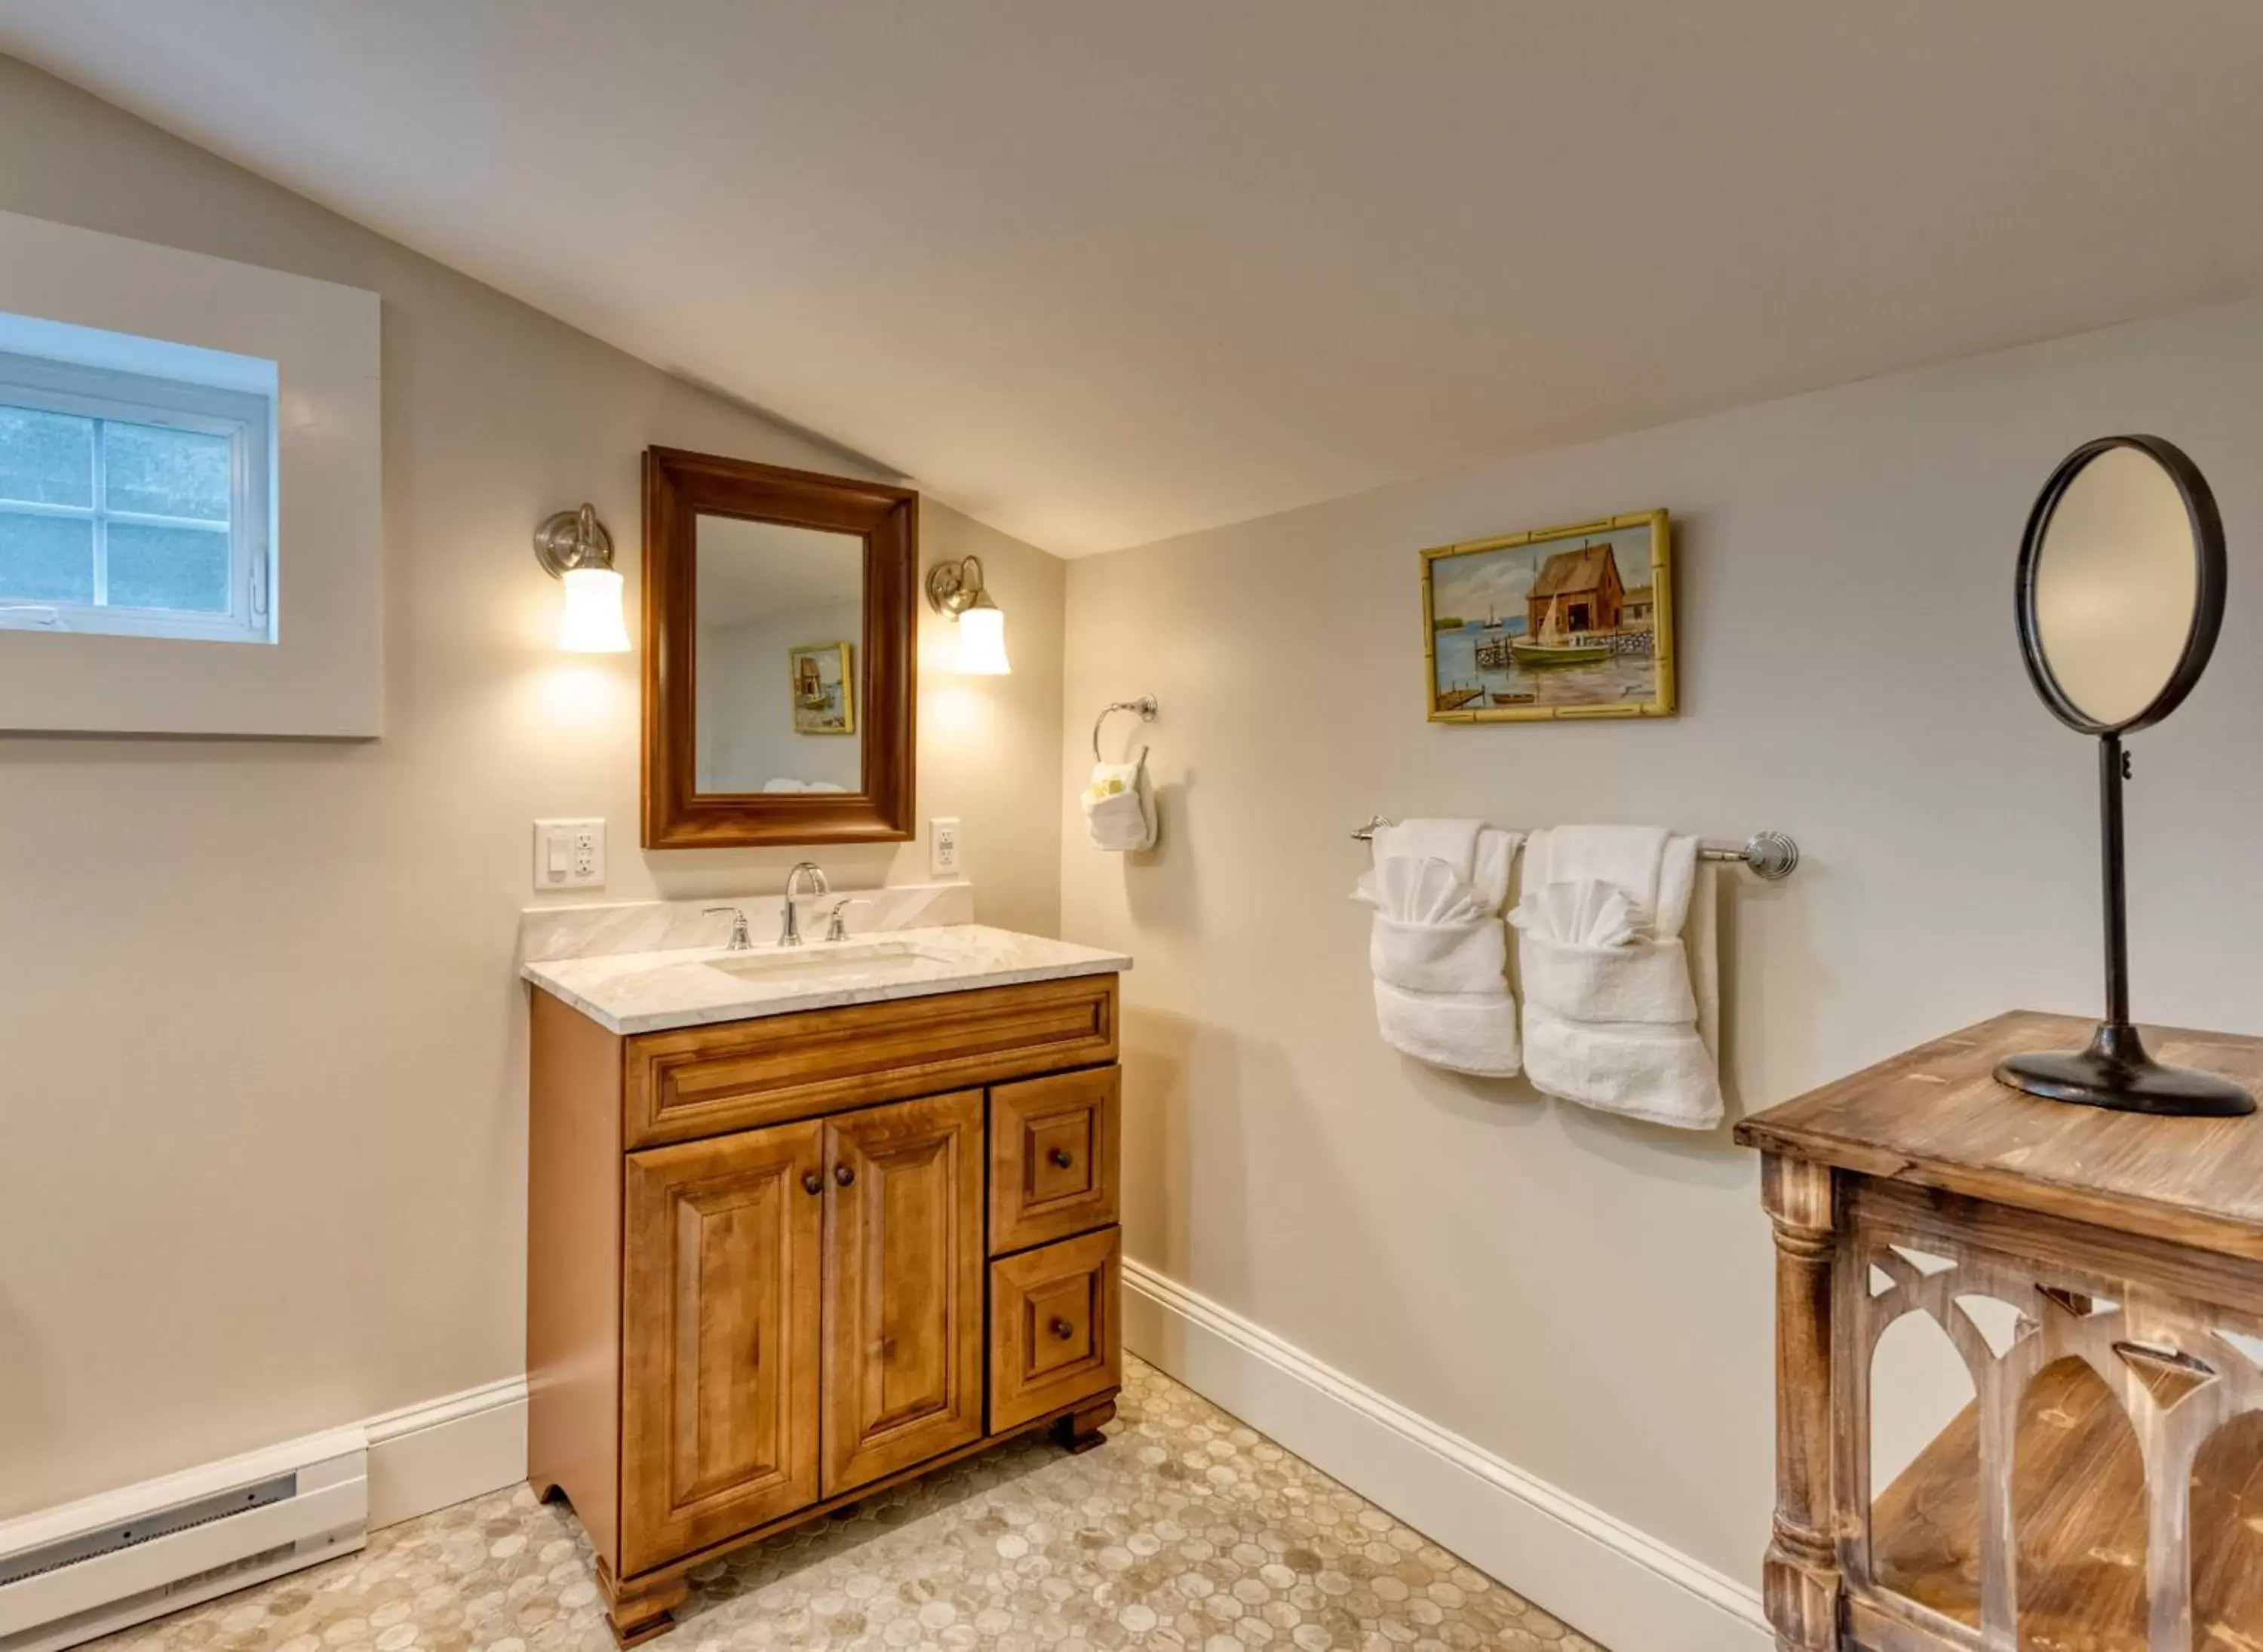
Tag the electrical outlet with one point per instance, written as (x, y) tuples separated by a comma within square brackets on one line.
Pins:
[(942, 846), (569, 854)]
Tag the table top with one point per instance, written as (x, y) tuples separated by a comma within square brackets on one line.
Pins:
[(1936, 1117)]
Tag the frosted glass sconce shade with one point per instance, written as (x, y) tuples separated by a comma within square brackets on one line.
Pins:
[(982, 640), (574, 546), (593, 612)]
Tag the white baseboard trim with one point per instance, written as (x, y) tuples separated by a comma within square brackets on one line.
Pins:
[(1618, 1585), (425, 1457)]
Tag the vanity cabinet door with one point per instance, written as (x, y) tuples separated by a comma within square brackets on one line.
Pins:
[(903, 1285), (720, 1338)]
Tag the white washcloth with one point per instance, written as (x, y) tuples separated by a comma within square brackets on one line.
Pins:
[(1119, 807), (1612, 1016), (1437, 948), (785, 786)]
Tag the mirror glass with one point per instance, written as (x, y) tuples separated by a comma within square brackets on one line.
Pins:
[(777, 657), (2116, 586)]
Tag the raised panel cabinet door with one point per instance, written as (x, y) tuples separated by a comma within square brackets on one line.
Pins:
[(903, 1285), (723, 1243)]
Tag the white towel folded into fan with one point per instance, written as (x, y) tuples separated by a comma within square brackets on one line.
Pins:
[(1614, 941), (1437, 947)]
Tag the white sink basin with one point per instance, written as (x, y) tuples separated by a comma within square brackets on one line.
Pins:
[(818, 958)]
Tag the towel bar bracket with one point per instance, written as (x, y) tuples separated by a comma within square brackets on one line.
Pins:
[(1772, 855), (1144, 708)]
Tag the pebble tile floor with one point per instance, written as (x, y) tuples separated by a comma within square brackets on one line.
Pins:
[(1185, 1529)]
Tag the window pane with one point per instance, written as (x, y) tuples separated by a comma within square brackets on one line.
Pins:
[(168, 568), (46, 458), (163, 472), (45, 559)]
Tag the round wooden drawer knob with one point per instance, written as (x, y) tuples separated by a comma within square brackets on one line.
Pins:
[(1063, 1329), (812, 1182), (1062, 1158), (843, 1175)]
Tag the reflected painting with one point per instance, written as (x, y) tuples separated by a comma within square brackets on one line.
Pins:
[(822, 701), (1573, 622)]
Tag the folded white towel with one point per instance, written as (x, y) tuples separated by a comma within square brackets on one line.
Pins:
[(826, 785), (1437, 948), (1119, 807), (1611, 1012), (1454, 842), (785, 786), (1631, 858)]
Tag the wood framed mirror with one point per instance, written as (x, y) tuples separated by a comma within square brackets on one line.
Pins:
[(779, 664)]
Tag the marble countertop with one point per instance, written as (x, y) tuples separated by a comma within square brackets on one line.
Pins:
[(656, 991)]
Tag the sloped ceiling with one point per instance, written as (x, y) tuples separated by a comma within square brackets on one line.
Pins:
[(1100, 273)]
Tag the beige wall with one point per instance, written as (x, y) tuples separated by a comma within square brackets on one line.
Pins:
[(262, 1098), (1589, 1298)]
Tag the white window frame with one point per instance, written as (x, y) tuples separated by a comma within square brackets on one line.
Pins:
[(247, 418)]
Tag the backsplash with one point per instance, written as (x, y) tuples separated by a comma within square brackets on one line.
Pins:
[(654, 926)]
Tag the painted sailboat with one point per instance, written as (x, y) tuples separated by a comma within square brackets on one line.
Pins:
[(1550, 648), (1493, 617)]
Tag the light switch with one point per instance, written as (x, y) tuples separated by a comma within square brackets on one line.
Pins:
[(569, 854), (942, 846)]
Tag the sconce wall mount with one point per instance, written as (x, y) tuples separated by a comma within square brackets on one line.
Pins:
[(571, 539)]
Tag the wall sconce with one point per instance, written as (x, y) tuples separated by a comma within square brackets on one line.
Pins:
[(956, 588), (573, 546)]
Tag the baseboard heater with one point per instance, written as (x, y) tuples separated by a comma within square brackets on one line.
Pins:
[(71, 1574)]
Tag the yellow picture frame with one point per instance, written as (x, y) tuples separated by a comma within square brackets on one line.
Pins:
[(805, 663), (1585, 667)]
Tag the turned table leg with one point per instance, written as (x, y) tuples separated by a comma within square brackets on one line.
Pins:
[(1800, 1580)]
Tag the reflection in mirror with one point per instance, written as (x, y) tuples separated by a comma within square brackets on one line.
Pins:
[(2116, 585), (778, 657)]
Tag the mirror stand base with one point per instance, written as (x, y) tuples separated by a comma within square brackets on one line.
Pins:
[(2117, 1072)]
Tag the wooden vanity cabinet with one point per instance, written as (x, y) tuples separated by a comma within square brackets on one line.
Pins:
[(892, 1245)]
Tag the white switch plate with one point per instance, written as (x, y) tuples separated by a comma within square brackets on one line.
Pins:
[(569, 854), (942, 846)]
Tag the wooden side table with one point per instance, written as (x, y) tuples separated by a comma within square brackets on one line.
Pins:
[(2131, 1252)]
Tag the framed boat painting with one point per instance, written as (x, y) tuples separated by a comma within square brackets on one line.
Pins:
[(1575, 621)]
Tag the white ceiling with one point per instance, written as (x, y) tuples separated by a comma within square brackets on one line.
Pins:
[(1100, 273)]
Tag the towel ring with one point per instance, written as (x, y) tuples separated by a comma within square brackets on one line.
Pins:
[(1144, 707)]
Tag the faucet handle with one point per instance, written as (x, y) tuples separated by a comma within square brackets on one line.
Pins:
[(741, 941), (837, 930)]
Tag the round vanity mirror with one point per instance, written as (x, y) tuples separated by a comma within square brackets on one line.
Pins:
[(2121, 589), (2120, 598)]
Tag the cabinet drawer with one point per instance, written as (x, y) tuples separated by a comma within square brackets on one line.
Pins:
[(1053, 1157), (1055, 1336), (739, 1074)]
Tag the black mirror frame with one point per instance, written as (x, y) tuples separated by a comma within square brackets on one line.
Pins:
[(2208, 605)]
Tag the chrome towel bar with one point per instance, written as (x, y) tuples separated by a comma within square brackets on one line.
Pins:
[(1772, 855)]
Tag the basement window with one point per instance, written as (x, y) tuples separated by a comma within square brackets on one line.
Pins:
[(133, 504)]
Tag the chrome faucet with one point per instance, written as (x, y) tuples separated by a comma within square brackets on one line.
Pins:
[(741, 941), (788, 929)]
